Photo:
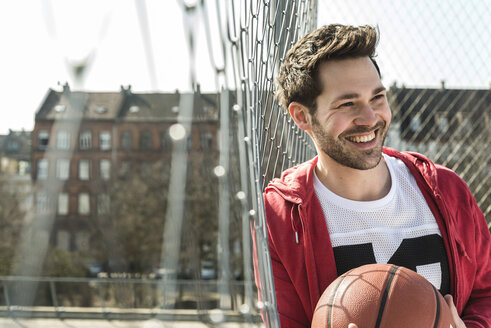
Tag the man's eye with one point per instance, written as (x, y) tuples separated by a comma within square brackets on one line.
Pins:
[(347, 104), (378, 97)]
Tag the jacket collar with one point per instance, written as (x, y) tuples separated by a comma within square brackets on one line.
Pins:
[(296, 184)]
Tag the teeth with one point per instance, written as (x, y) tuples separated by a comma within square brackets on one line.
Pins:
[(359, 139)]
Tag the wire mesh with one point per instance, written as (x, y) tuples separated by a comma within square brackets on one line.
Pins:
[(181, 213), (434, 56), (253, 39)]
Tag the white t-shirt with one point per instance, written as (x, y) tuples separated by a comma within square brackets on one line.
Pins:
[(398, 228)]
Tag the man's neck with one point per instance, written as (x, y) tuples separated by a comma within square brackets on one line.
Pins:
[(359, 185)]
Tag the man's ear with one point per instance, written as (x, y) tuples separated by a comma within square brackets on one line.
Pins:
[(300, 115)]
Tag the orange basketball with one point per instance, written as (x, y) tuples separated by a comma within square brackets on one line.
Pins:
[(382, 296)]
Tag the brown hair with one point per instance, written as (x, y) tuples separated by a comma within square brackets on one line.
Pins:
[(298, 77)]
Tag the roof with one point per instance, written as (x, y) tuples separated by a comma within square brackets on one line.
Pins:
[(450, 101), (122, 106), (439, 111)]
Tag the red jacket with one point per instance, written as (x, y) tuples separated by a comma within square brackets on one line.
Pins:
[(303, 259)]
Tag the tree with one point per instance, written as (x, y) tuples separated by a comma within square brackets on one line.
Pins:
[(11, 222), (128, 236)]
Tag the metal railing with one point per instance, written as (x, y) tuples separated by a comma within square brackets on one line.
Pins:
[(130, 299)]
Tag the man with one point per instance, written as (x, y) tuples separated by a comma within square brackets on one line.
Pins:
[(358, 202)]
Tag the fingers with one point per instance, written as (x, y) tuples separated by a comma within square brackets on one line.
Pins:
[(449, 299), (453, 310), (352, 325)]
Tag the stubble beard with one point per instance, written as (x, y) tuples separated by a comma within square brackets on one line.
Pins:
[(343, 153)]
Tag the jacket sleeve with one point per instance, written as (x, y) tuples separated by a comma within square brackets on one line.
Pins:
[(473, 240), (477, 311)]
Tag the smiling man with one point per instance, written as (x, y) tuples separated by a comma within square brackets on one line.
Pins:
[(357, 202)]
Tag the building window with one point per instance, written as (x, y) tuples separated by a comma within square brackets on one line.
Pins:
[(63, 203), (83, 203), (134, 109), (82, 240), (42, 169), (42, 202), (13, 145), (442, 122), (62, 169), (415, 123), (63, 140), (43, 139), (126, 140), (105, 140), (84, 169), (63, 240), (105, 169), (24, 168), (100, 109), (60, 108), (165, 141), (85, 140), (103, 204), (146, 140), (206, 140)]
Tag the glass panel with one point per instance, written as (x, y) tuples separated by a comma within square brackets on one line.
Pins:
[(63, 204), (146, 140), (83, 203), (42, 169), (105, 169), (62, 169), (63, 140), (43, 139), (85, 140), (105, 140), (126, 140), (84, 169)]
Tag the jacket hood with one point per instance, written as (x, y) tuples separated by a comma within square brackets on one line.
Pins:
[(296, 184)]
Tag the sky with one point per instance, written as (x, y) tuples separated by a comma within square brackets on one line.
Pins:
[(41, 38), (421, 43)]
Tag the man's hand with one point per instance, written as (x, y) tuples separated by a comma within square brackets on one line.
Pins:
[(453, 311)]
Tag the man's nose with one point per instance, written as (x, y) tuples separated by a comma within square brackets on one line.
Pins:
[(366, 116)]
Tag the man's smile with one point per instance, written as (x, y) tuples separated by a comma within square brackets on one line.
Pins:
[(362, 138)]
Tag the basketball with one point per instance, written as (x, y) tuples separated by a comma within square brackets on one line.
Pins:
[(381, 296)]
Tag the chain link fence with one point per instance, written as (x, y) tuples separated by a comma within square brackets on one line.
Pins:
[(434, 61), (434, 56)]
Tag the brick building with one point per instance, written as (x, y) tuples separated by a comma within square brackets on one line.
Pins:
[(82, 140)]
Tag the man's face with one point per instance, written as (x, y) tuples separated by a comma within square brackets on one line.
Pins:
[(352, 116)]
